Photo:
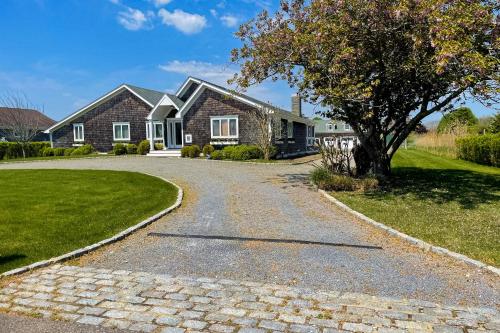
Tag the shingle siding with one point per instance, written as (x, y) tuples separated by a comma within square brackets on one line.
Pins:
[(98, 123), (197, 121)]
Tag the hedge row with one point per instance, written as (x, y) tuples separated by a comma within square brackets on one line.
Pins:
[(237, 153), (13, 150), (482, 149)]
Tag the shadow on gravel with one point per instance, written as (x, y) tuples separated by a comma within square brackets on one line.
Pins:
[(294, 179)]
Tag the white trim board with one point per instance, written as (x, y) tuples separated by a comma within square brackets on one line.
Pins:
[(95, 103)]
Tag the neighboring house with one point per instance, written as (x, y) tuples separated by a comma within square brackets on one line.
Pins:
[(199, 113), (335, 132), (25, 121)]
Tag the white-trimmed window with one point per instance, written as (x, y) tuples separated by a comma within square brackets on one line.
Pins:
[(121, 131), (78, 135), (224, 127), (347, 127), (289, 129), (157, 129), (329, 127)]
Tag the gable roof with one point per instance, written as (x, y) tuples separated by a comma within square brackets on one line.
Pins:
[(152, 96), (202, 85), (10, 115)]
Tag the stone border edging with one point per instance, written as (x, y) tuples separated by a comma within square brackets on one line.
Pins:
[(415, 241), (121, 235)]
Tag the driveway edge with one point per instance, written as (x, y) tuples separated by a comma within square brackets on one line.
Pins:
[(121, 235), (415, 241)]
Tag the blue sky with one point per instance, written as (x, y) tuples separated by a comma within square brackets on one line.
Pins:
[(64, 54)]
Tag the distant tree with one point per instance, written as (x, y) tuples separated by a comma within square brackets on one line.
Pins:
[(461, 116), (495, 124), (21, 126), (381, 66)]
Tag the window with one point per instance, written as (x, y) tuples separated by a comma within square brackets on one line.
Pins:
[(347, 127), (157, 128), (224, 127), (78, 132), (121, 131), (290, 129), (329, 127), (310, 131)]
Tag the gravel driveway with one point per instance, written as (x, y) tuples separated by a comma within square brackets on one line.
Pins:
[(275, 201)]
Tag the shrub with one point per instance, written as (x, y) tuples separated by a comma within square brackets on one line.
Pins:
[(340, 183), (83, 150), (131, 148), (195, 151), (242, 152), (47, 151), (10, 150), (158, 146), (59, 151), (143, 147), (119, 149), (320, 175), (208, 150), (68, 151), (217, 155), (482, 149), (185, 151), (368, 183)]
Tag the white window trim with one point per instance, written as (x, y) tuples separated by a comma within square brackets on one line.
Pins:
[(148, 137), (74, 133), (228, 118), (347, 127), (114, 133)]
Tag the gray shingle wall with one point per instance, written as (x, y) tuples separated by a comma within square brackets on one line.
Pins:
[(98, 123)]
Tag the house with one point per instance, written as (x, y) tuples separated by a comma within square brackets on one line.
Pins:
[(335, 132), (199, 113), (23, 124)]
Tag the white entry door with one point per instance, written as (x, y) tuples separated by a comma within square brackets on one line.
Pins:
[(174, 128)]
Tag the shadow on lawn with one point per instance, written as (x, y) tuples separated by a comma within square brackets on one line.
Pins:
[(9, 258), (468, 188)]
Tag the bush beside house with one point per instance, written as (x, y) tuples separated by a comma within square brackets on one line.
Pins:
[(143, 147)]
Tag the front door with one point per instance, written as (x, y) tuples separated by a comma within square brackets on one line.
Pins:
[(174, 127)]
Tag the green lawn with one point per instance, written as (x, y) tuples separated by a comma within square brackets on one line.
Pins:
[(41, 158), (46, 213), (450, 203)]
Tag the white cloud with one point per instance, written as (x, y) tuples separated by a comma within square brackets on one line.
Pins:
[(229, 21), (182, 21), (159, 3), (215, 73), (116, 2), (135, 19), (213, 12)]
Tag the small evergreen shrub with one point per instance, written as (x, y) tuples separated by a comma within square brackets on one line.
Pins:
[(158, 146), (59, 151), (320, 176), (83, 150), (242, 152), (185, 151), (208, 150), (143, 147), (119, 149), (217, 155), (481, 149), (68, 151), (195, 151), (48, 152), (131, 149)]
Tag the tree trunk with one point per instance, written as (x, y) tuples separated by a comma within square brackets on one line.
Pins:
[(382, 165)]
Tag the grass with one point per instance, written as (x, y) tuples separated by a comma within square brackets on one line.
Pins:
[(46, 213), (450, 203)]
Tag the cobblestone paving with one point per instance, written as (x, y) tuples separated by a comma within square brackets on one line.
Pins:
[(144, 302)]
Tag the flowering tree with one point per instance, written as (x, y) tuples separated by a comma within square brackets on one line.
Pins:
[(380, 65)]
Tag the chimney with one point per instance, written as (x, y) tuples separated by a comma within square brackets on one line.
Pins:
[(297, 105)]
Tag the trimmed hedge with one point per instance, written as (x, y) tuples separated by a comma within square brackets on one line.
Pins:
[(11, 150), (119, 149), (481, 149), (208, 150), (143, 147), (83, 150), (191, 151), (131, 149), (241, 152)]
